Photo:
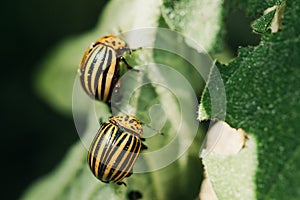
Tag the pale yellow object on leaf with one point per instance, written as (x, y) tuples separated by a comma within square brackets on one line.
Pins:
[(224, 140), (221, 140)]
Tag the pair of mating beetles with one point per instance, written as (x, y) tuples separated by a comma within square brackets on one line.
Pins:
[(118, 142)]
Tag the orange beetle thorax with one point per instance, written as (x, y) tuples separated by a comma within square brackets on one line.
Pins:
[(116, 43), (128, 123)]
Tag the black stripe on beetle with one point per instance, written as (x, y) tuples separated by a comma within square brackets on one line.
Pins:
[(115, 149), (100, 67)]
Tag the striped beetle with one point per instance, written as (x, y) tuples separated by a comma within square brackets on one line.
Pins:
[(115, 148), (100, 67)]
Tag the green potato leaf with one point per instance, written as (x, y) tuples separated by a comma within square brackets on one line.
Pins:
[(199, 20), (262, 98)]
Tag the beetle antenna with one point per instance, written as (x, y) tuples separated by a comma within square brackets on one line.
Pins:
[(147, 125), (158, 131)]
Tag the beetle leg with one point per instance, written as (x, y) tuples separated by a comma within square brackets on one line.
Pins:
[(121, 58), (100, 120), (144, 147), (122, 183), (129, 174)]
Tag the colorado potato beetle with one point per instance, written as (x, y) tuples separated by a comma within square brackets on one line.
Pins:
[(99, 68), (115, 148)]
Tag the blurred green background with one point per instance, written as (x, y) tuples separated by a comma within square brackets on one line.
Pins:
[(34, 136)]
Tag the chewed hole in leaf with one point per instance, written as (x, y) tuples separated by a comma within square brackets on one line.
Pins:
[(224, 140)]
